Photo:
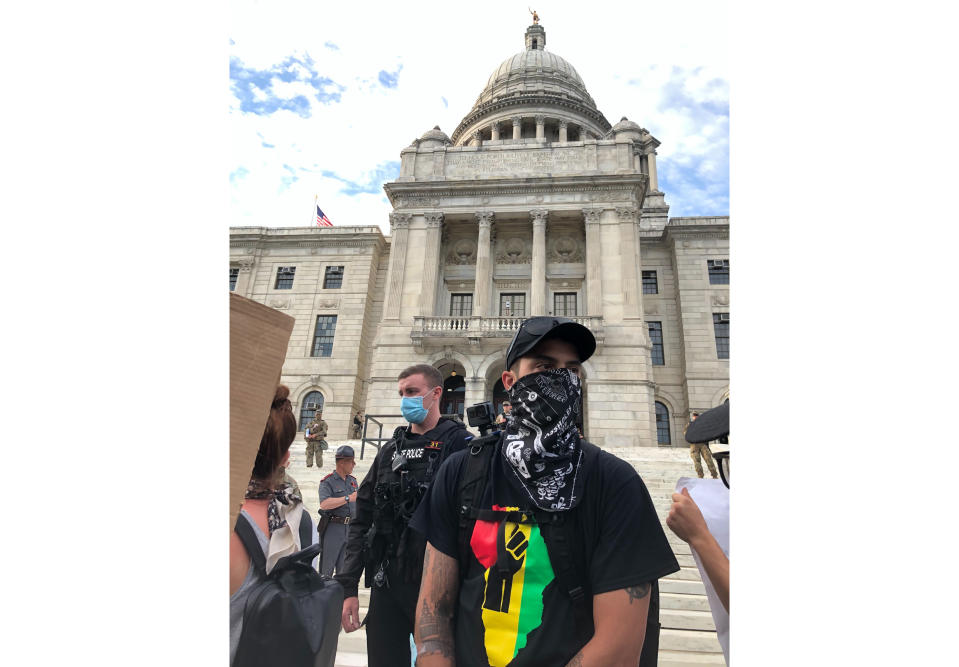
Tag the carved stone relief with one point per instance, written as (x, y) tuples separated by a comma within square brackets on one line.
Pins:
[(513, 250), (565, 249), (246, 263), (282, 303), (462, 251), (400, 220), (720, 299), (329, 302)]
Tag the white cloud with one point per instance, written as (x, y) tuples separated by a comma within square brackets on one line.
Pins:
[(448, 51)]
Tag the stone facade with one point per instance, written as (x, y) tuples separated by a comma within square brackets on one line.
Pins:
[(535, 206)]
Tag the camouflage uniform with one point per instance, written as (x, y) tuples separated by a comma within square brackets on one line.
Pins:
[(357, 429), (698, 450), (316, 441)]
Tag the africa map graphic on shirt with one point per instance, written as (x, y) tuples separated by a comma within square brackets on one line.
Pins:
[(513, 599)]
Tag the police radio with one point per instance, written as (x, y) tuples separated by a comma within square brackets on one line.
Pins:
[(481, 416)]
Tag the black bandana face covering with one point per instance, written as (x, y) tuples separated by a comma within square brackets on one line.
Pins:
[(542, 444)]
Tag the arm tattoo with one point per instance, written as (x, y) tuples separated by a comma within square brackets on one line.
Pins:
[(434, 631), (639, 592), (577, 660)]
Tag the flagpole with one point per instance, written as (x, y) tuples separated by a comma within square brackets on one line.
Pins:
[(313, 217)]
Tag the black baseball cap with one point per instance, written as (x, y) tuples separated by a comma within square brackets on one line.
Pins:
[(535, 329), (344, 452)]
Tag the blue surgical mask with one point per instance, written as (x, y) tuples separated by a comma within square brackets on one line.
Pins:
[(413, 410)]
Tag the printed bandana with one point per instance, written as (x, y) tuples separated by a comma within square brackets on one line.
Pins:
[(542, 444), (285, 494)]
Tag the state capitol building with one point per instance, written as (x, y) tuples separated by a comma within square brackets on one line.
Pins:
[(534, 205)]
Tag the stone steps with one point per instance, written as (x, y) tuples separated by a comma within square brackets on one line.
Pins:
[(688, 636)]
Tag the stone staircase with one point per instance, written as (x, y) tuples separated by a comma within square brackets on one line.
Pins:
[(688, 636)]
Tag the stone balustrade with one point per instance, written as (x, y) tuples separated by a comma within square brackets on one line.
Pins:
[(443, 329)]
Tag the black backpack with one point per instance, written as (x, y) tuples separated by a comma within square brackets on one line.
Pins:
[(292, 616), (558, 535)]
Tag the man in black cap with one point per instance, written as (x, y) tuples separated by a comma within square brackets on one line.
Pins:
[(545, 549), (379, 541), (337, 509)]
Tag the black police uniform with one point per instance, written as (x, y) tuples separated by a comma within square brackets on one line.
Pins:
[(380, 543)]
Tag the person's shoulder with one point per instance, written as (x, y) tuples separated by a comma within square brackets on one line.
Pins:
[(609, 466), (453, 465), (327, 477)]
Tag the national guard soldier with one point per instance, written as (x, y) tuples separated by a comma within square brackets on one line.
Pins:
[(378, 540), (316, 440), (337, 509), (701, 449), (357, 430)]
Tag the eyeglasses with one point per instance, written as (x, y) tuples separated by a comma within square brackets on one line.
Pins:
[(722, 462)]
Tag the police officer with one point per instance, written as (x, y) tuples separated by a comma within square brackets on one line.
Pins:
[(379, 541), (337, 509), (316, 440)]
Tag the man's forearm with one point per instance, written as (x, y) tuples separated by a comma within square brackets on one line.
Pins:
[(434, 615), (333, 502)]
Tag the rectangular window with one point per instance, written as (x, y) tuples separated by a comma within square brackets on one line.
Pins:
[(333, 278), (323, 337), (721, 327), (284, 277), (718, 271), (656, 336), (461, 305), (512, 305), (564, 304), (650, 286), (234, 274)]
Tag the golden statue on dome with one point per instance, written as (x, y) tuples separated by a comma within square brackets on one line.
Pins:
[(535, 16)]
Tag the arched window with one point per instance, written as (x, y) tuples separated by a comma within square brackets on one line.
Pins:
[(453, 400), (311, 402), (662, 424)]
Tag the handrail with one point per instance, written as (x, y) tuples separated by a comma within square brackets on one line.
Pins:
[(377, 441)]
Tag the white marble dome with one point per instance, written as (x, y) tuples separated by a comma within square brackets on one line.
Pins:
[(533, 71)]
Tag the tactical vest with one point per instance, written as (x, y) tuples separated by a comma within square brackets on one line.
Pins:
[(406, 471)]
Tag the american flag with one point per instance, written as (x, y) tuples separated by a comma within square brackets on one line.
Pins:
[(321, 219)]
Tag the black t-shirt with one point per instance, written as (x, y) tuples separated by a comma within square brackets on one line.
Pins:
[(518, 615)]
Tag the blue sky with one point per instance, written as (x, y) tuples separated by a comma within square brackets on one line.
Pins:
[(322, 102)]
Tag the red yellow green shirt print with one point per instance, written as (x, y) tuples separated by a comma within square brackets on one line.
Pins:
[(517, 570)]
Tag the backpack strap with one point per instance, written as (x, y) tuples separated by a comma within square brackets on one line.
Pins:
[(650, 654), (306, 530), (252, 545), (471, 488), (556, 532)]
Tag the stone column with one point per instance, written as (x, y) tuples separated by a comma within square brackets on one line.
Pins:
[(540, 127), (651, 159), (637, 161), (431, 266), (629, 252), (475, 391), (484, 277), (400, 233), (538, 268), (494, 132), (563, 131), (517, 127), (477, 138), (594, 277)]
